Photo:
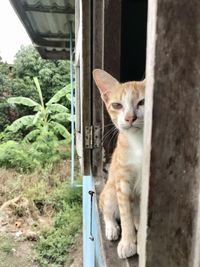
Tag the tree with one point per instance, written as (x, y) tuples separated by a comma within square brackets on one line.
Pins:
[(7, 113), (53, 75)]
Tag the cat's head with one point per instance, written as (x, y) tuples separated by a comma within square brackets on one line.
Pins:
[(124, 101)]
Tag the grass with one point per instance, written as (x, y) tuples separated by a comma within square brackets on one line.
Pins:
[(45, 184), (54, 245), (55, 199), (5, 244)]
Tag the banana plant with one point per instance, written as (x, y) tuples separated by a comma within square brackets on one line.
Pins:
[(48, 116)]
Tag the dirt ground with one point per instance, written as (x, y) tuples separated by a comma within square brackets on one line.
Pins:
[(16, 235), (21, 255)]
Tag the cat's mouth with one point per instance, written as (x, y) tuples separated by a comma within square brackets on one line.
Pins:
[(135, 125)]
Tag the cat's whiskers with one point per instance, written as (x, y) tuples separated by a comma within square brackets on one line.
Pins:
[(138, 123), (106, 126), (111, 131), (109, 124), (107, 134), (115, 134)]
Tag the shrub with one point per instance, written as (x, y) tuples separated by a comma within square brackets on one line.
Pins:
[(27, 157), (20, 157)]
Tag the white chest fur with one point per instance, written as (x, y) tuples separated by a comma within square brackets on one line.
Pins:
[(135, 149), (135, 155)]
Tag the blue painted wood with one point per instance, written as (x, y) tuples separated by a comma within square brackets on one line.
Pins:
[(92, 250), (88, 245), (99, 259)]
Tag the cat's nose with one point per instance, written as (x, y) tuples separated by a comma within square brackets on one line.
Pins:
[(130, 118)]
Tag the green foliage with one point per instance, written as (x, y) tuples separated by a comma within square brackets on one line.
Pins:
[(26, 157), (43, 131), (24, 87), (53, 247), (5, 81), (5, 244), (17, 80), (23, 101), (25, 121), (13, 155), (53, 74), (6, 111), (45, 121), (66, 194)]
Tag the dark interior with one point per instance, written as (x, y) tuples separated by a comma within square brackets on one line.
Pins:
[(133, 42)]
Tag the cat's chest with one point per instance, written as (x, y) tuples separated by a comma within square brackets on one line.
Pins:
[(134, 151), (134, 160)]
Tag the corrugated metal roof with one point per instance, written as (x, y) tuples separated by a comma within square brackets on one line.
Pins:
[(48, 25)]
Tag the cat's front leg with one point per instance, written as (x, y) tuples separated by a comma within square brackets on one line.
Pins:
[(127, 246), (109, 207)]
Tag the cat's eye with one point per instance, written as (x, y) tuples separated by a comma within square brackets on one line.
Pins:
[(116, 105), (141, 102)]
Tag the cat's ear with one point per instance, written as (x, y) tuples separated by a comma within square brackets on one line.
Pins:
[(105, 82)]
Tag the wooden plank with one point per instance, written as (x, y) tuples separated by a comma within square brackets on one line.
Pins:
[(78, 111), (97, 63), (83, 76), (78, 47), (106, 55), (86, 79), (111, 59), (77, 18), (172, 154)]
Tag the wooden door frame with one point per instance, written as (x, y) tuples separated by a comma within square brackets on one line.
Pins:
[(83, 64), (106, 55)]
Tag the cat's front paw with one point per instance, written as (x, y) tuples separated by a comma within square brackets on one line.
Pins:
[(126, 249), (112, 231)]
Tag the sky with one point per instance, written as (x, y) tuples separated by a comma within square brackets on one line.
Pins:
[(12, 32)]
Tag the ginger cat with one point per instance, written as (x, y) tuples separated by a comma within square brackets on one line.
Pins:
[(120, 196)]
